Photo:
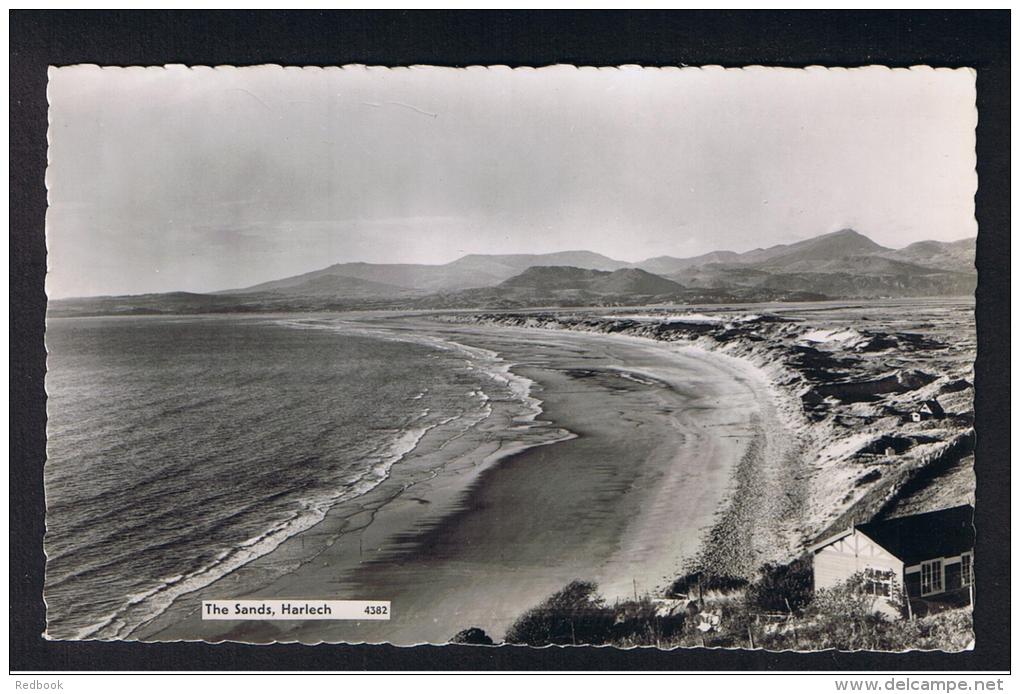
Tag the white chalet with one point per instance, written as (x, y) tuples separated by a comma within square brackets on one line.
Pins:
[(929, 555)]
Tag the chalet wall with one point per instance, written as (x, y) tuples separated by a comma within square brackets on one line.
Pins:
[(837, 562)]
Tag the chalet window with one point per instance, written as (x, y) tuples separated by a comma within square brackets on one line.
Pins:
[(879, 582), (931, 577), (967, 569)]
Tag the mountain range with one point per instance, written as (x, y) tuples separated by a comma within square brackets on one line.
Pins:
[(842, 264), (468, 272)]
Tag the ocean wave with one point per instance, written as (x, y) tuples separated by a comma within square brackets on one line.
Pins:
[(485, 360), (156, 600), (153, 602)]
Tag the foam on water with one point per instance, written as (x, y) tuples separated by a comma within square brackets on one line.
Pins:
[(487, 361), (161, 596)]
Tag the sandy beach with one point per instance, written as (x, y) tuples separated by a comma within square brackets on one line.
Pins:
[(642, 451)]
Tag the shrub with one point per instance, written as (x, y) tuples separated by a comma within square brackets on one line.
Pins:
[(578, 615), (689, 584), (952, 630), (640, 623), (842, 617), (473, 636), (574, 615), (782, 587)]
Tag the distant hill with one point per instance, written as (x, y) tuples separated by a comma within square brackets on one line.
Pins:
[(406, 277), (635, 281), (839, 244), (186, 303), (515, 264), (470, 271), (859, 285), (717, 275), (841, 264), (564, 286), (550, 279), (664, 264), (151, 304), (627, 281), (856, 276), (957, 256), (326, 284)]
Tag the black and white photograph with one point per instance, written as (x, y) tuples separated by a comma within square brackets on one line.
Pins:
[(675, 357)]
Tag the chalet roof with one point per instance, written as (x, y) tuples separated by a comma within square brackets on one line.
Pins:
[(912, 539), (934, 407)]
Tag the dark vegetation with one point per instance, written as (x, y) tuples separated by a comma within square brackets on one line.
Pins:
[(577, 614), (472, 636), (697, 583), (777, 611), (782, 587)]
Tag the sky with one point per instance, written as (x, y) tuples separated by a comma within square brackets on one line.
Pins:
[(200, 179)]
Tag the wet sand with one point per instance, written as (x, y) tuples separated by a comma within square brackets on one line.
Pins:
[(648, 439)]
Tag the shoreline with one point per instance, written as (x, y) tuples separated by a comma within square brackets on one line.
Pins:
[(639, 534), (798, 357)]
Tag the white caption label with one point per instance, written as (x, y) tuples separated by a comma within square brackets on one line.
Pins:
[(296, 609)]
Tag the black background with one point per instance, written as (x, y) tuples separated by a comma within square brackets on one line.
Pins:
[(978, 39)]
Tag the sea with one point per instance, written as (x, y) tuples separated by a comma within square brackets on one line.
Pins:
[(181, 448)]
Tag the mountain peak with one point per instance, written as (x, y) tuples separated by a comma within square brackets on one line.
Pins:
[(846, 237), (852, 237), (553, 277), (844, 242), (634, 280)]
